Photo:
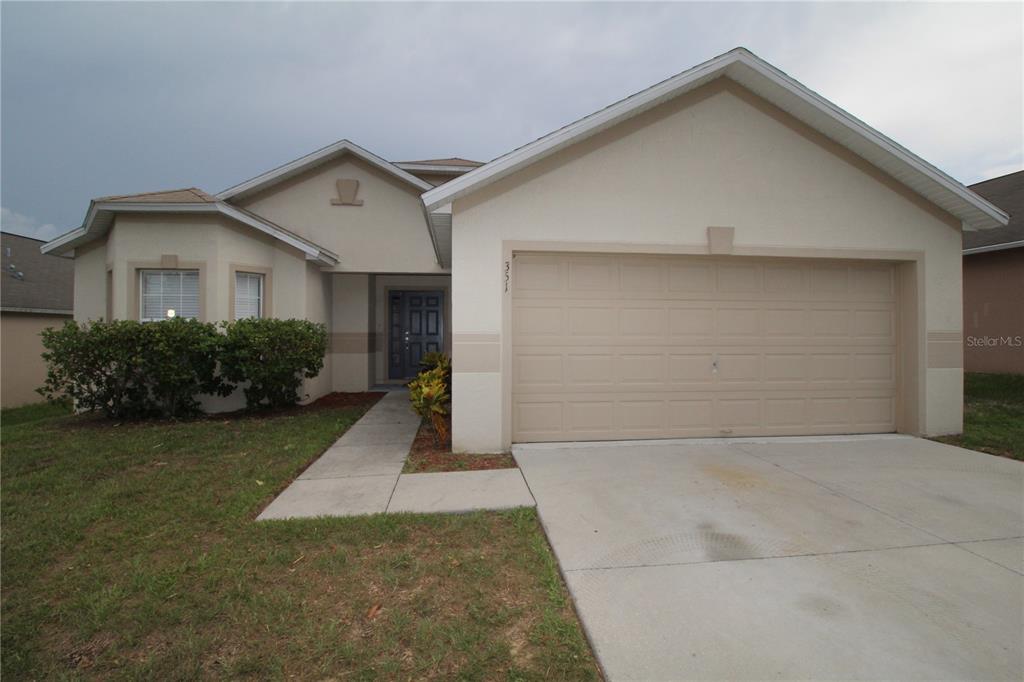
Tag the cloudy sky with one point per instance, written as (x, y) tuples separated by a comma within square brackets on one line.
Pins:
[(128, 97)]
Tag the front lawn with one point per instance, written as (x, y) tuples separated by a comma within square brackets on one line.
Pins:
[(130, 550), (993, 415)]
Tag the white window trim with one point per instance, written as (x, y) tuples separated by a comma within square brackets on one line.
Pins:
[(260, 304), (142, 290)]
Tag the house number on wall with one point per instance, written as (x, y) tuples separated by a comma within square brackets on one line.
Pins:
[(347, 190)]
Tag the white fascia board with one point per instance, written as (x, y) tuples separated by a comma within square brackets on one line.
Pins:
[(83, 233), (994, 247), (311, 250), (319, 156), (688, 80), (517, 158), (59, 243), (853, 123)]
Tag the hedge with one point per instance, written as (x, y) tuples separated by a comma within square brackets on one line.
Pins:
[(130, 370)]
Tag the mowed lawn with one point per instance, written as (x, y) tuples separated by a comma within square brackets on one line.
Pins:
[(993, 415), (130, 551)]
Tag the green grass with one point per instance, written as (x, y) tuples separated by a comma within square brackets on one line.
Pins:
[(129, 551), (993, 415)]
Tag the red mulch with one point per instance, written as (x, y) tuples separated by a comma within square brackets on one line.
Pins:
[(426, 456)]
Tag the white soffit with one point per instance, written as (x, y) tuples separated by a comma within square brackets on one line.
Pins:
[(316, 158), (774, 86)]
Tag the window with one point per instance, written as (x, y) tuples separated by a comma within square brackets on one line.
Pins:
[(248, 295), (163, 291)]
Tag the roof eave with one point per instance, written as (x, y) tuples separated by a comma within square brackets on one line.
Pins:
[(103, 210), (973, 211), (994, 247), (311, 160)]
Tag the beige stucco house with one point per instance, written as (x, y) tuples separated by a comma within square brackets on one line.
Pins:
[(723, 254), (35, 294)]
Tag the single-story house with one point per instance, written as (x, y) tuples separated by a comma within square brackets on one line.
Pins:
[(994, 283), (723, 254), (35, 294)]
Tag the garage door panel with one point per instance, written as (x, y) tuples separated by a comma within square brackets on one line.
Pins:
[(611, 347)]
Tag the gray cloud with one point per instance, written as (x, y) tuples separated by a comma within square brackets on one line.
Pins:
[(115, 98)]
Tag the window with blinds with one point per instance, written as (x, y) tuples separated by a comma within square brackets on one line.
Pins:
[(248, 295), (162, 291)]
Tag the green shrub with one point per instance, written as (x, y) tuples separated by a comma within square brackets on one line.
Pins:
[(430, 397), (438, 360), (129, 370), (180, 360), (273, 356)]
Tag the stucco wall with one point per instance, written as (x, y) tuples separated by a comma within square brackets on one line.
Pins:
[(993, 312), (388, 233), (718, 156), (22, 368), (217, 247)]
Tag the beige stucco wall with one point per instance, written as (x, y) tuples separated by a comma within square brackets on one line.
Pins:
[(22, 369), (217, 247), (388, 233), (716, 157)]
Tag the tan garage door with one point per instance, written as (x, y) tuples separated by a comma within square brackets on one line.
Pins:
[(626, 346)]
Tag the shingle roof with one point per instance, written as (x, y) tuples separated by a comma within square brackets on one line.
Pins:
[(1006, 192), (451, 161), (187, 195), (47, 282)]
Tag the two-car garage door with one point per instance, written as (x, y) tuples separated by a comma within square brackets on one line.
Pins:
[(634, 346)]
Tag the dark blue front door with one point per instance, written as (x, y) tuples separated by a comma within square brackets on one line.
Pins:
[(415, 327)]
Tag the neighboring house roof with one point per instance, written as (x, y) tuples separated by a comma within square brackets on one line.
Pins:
[(100, 217), (320, 156), (776, 87), (1006, 192), (34, 282)]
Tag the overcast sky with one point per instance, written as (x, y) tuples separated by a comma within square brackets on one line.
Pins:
[(119, 98)]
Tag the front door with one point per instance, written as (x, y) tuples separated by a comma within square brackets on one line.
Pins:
[(416, 327)]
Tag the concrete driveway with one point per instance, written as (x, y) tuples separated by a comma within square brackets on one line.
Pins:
[(881, 557)]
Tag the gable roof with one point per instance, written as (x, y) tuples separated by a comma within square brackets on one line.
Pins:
[(450, 166), (45, 284), (100, 217), (773, 85), (187, 195), (317, 158), (1006, 192)]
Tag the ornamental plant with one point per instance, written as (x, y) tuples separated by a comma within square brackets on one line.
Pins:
[(271, 357), (129, 370), (429, 396)]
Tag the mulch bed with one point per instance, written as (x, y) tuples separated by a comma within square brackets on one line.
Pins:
[(426, 456)]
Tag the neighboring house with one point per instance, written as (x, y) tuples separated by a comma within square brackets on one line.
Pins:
[(994, 283), (35, 293), (725, 253)]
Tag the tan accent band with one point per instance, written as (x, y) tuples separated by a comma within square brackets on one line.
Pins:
[(169, 261), (947, 336), (476, 357), (477, 338), (945, 349), (353, 342)]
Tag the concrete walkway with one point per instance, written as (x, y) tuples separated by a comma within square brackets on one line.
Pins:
[(362, 474)]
